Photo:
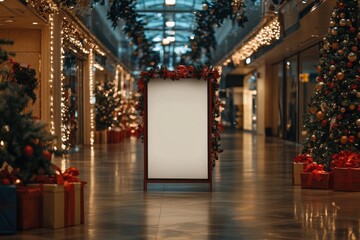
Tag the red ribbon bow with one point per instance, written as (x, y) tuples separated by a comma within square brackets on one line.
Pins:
[(304, 158)]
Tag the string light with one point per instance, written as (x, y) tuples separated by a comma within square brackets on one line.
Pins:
[(74, 36), (262, 37), (91, 94), (43, 7), (51, 78), (64, 129)]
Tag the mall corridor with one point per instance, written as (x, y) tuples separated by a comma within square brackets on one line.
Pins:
[(252, 198)]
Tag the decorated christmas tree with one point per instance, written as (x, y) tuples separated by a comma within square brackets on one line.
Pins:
[(25, 143), (106, 103), (333, 122)]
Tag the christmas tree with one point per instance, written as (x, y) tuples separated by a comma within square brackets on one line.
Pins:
[(105, 105), (25, 143), (333, 122)]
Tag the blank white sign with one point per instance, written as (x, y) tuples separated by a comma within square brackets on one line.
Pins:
[(177, 129)]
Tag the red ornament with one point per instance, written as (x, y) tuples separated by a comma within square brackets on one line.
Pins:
[(28, 151), (324, 122), (319, 79), (47, 154), (349, 64), (332, 85), (353, 86), (339, 117), (5, 181), (335, 125), (352, 29), (351, 139), (341, 5)]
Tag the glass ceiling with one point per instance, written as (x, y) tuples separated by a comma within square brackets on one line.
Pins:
[(169, 26)]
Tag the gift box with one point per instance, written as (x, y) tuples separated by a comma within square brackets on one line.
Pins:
[(53, 205), (82, 207), (7, 209), (72, 204), (316, 180), (347, 179), (29, 208), (297, 168)]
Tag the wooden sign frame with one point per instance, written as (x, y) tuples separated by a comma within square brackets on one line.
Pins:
[(158, 167)]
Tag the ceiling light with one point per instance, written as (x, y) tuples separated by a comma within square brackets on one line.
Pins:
[(170, 23), (9, 20), (2, 0), (170, 2), (34, 23), (165, 41)]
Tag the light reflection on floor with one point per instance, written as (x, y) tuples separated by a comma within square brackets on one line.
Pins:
[(252, 198)]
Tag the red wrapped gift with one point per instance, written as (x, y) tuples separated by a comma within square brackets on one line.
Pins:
[(347, 179), (316, 180), (82, 207), (29, 208), (72, 202)]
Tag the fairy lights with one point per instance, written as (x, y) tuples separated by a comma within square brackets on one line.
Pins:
[(65, 133), (74, 36), (43, 7), (51, 78), (262, 37), (91, 94)]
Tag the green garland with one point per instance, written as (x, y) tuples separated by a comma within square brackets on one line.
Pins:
[(214, 14), (205, 73)]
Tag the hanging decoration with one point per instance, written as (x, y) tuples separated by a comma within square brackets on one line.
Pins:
[(213, 15), (205, 73)]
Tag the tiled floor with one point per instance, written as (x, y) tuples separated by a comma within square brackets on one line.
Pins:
[(252, 198)]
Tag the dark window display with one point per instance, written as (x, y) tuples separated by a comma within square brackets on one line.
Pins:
[(72, 99)]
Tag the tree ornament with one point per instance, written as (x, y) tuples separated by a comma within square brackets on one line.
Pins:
[(28, 151), (334, 45), (352, 107), (334, 31), (344, 139), (35, 141), (349, 64), (334, 14), (342, 22), (348, 22), (320, 115), (5, 181), (319, 86), (352, 29), (358, 134), (340, 76), (358, 94), (352, 56), (354, 48), (342, 110), (47, 154), (324, 122), (341, 52), (358, 122), (358, 35), (332, 68), (332, 24), (205, 7), (341, 6), (5, 129), (351, 139), (313, 109), (313, 138), (319, 69)]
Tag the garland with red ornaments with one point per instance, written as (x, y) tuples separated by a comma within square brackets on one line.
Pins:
[(205, 73)]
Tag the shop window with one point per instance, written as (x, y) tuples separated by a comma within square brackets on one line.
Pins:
[(291, 110), (72, 84), (307, 81)]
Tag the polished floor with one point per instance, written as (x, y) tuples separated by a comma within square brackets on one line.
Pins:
[(252, 198)]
